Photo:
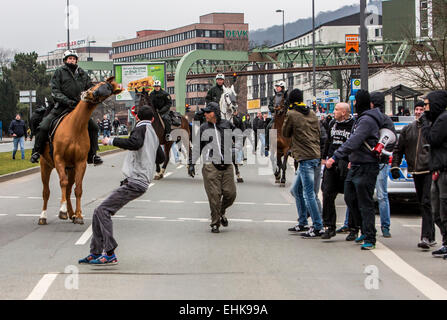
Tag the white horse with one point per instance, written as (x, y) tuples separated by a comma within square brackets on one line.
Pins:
[(228, 105), (228, 102)]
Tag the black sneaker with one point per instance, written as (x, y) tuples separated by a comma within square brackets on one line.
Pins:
[(96, 160), (352, 236), (424, 244), (224, 221), (215, 229), (35, 157), (328, 233), (441, 252), (343, 229), (298, 228), (312, 234)]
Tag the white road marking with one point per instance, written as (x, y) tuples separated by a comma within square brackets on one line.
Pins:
[(279, 221), (28, 215), (201, 202), (277, 204), (143, 200), (3, 214), (120, 216), (35, 198), (241, 220), (180, 167), (411, 226), (158, 218), (194, 219), (85, 236), (245, 203), (42, 286), (171, 201), (167, 174), (9, 197), (428, 287), (151, 185)]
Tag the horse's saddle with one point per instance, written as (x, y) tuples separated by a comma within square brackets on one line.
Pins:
[(55, 123)]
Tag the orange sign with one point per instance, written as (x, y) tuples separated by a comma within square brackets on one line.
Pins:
[(352, 43)]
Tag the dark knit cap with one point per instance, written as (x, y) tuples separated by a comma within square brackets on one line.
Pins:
[(296, 96)]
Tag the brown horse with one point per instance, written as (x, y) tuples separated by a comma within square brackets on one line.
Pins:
[(158, 126), (71, 144), (282, 146)]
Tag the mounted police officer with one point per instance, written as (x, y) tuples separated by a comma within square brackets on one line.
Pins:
[(161, 100), (215, 93), (280, 98), (67, 84)]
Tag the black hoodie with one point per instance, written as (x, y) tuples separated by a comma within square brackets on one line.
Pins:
[(436, 134)]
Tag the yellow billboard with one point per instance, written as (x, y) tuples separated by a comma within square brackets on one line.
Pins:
[(254, 104)]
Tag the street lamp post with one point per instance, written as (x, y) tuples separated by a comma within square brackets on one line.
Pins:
[(314, 89), (283, 35), (363, 46), (68, 24)]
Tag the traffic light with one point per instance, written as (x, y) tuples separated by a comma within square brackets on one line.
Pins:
[(187, 108), (314, 105), (234, 76)]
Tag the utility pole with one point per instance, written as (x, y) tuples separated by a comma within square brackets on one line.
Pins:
[(283, 36), (363, 46), (314, 89), (68, 24)]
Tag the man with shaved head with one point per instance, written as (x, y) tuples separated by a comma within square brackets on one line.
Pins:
[(333, 179)]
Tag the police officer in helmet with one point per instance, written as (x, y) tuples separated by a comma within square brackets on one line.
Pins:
[(279, 99), (67, 84), (161, 100)]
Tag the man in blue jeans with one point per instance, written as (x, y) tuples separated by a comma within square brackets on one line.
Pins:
[(17, 129), (378, 101), (302, 125)]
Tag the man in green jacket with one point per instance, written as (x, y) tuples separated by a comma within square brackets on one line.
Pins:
[(67, 84)]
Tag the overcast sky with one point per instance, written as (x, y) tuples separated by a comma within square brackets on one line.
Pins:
[(38, 25)]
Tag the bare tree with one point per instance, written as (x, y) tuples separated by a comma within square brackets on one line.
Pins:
[(6, 56), (429, 54)]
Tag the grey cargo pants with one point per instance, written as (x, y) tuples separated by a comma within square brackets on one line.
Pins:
[(102, 225)]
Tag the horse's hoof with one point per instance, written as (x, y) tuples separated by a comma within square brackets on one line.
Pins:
[(42, 222), (63, 215), (78, 221), (276, 181), (282, 185), (158, 177), (240, 180)]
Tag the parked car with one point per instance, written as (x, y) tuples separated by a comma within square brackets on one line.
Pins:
[(122, 130), (402, 189)]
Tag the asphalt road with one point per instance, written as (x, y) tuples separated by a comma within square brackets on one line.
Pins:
[(166, 249)]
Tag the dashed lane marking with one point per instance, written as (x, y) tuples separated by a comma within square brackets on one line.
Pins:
[(9, 197), (279, 221), (3, 214), (27, 215), (42, 286), (277, 204), (85, 236), (171, 201), (425, 285), (157, 218)]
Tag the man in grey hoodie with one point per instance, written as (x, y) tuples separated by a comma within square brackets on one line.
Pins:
[(364, 168), (138, 169)]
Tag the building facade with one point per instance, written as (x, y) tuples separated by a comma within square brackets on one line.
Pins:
[(215, 31), (261, 87)]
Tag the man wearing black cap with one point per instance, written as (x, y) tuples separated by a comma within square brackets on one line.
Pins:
[(436, 135), (411, 145), (218, 175), (361, 179)]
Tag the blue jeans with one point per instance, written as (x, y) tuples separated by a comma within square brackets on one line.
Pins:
[(346, 223), (382, 195), (175, 152), (106, 133), (304, 193), (16, 142)]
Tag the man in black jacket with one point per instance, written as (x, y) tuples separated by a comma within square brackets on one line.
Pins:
[(216, 141), (361, 179), (436, 136), (162, 102), (411, 145), (17, 129), (67, 84), (339, 130)]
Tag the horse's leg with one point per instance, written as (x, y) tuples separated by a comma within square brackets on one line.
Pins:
[(71, 180), (238, 174), (278, 167), (284, 168), (45, 174), (79, 176), (167, 156), (63, 181)]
